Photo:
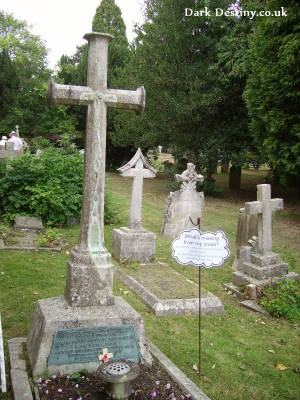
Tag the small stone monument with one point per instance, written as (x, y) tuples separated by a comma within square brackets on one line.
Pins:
[(246, 230), (257, 264), (88, 304), (135, 243), (185, 206)]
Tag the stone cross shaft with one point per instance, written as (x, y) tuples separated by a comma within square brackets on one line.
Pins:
[(90, 250), (135, 169), (263, 207)]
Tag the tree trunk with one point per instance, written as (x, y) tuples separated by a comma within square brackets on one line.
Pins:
[(235, 177), (225, 167)]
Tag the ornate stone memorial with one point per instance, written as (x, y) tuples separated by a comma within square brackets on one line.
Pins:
[(135, 242), (88, 301), (258, 264), (185, 206)]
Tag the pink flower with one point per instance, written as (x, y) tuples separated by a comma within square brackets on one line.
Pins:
[(157, 383), (53, 376), (59, 390), (168, 386), (47, 392), (188, 396), (153, 394), (39, 380), (172, 395), (182, 397), (76, 385)]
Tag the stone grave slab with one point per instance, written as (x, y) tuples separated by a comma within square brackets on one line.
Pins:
[(167, 292), (26, 240), (31, 223)]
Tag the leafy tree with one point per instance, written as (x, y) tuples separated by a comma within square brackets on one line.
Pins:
[(188, 107), (272, 91)]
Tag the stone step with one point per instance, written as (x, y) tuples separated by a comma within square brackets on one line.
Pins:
[(241, 279), (265, 260), (260, 272)]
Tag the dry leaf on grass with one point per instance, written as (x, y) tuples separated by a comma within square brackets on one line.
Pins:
[(35, 293), (214, 366), (280, 367), (195, 367), (211, 344), (271, 351)]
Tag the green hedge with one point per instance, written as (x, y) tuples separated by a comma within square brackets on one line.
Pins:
[(49, 186)]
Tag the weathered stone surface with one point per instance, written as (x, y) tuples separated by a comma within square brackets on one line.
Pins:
[(18, 372), (247, 227), (182, 206), (133, 245), (91, 253), (210, 304), (137, 168), (263, 207), (31, 223), (259, 272), (257, 264), (252, 305), (55, 313), (2, 363), (88, 300)]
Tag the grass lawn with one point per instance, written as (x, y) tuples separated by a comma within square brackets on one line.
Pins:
[(240, 349)]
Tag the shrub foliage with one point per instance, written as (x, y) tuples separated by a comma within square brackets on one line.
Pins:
[(49, 185)]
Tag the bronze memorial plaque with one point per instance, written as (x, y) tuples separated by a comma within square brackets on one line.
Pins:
[(84, 345)]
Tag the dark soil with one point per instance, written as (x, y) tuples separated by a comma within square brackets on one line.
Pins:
[(152, 383)]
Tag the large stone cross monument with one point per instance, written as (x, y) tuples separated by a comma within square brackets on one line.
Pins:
[(89, 275), (257, 264), (88, 300), (264, 207), (135, 242)]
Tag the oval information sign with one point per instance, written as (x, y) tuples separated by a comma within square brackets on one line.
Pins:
[(209, 249)]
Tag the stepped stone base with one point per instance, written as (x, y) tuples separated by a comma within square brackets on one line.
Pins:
[(133, 245), (55, 313), (259, 269)]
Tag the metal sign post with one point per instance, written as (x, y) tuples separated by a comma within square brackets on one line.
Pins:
[(208, 249)]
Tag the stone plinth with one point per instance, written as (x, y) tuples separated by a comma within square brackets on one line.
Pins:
[(55, 313), (259, 269), (133, 245), (182, 206)]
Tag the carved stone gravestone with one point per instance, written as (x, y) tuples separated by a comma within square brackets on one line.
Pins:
[(185, 206), (246, 230), (135, 242), (258, 264), (88, 301)]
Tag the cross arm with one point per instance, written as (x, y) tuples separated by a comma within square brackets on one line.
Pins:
[(254, 207), (69, 94), (130, 100), (277, 204), (146, 173)]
